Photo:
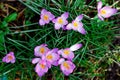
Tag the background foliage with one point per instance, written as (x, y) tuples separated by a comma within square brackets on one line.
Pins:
[(20, 32)]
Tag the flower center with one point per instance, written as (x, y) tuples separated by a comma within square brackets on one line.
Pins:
[(66, 65), (75, 24), (42, 66), (45, 17), (42, 50), (67, 52), (103, 11), (10, 57), (60, 21), (49, 56)]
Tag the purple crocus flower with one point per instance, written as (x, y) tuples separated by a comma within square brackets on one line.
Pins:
[(9, 58), (52, 56), (67, 66), (77, 25), (41, 67), (46, 17), (41, 50), (68, 52), (105, 12), (61, 21)]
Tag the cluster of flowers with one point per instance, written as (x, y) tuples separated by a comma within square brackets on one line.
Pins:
[(63, 57), (61, 22), (46, 58), (77, 25)]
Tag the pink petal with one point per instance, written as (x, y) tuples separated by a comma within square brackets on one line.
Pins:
[(81, 30), (4, 59), (69, 26), (51, 16), (79, 18), (57, 26), (41, 22), (99, 6), (65, 15), (100, 17), (109, 11), (71, 56), (35, 60), (43, 11), (13, 61), (61, 61), (40, 74), (75, 47), (60, 51), (54, 20)]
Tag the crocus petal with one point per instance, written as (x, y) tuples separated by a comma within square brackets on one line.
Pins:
[(65, 15), (57, 26), (4, 59), (100, 17), (109, 11), (41, 22), (75, 47), (81, 30), (54, 20), (99, 6), (61, 61), (69, 26), (13, 61), (43, 11), (55, 63), (35, 60), (51, 16), (40, 74), (71, 56), (60, 51), (79, 18), (54, 50)]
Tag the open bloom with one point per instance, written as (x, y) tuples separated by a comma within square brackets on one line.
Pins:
[(41, 50), (67, 67), (77, 25), (46, 17), (41, 67), (105, 12), (68, 52), (9, 58), (61, 21), (52, 56)]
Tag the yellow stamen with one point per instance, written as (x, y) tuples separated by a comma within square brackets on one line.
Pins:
[(67, 52), (10, 57), (45, 17), (42, 50), (49, 56), (75, 24), (60, 21), (42, 66), (66, 65), (103, 11)]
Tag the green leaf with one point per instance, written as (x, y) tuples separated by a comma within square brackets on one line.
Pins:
[(4, 24), (11, 17), (1, 40), (1, 37)]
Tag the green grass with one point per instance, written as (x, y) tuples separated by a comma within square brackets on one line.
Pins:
[(91, 60)]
